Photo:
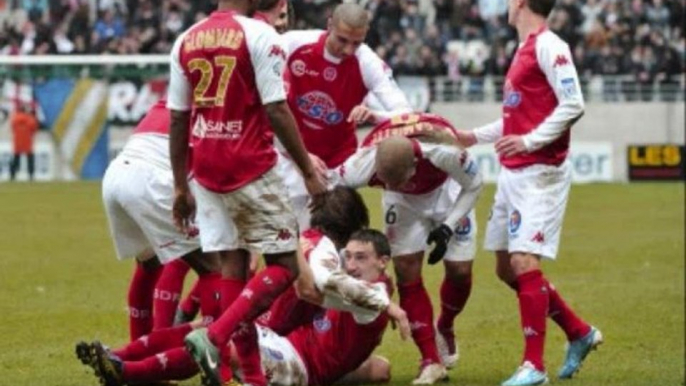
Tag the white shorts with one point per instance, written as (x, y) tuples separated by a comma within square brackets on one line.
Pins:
[(138, 197), (408, 220), (528, 210), (257, 216), (295, 188), (280, 360)]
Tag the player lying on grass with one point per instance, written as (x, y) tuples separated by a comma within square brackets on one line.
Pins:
[(430, 188), (350, 334)]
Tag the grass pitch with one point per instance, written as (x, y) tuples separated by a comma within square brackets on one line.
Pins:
[(621, 266)]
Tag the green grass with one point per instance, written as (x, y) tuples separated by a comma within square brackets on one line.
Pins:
[(621, 267)]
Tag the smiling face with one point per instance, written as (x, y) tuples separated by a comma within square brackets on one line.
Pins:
[(363, 262)]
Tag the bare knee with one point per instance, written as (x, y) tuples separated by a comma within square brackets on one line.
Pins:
[(458, 271), (408, 268), (380, 370), (503, 268)]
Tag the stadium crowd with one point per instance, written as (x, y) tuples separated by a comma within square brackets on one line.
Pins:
[(643, 38)]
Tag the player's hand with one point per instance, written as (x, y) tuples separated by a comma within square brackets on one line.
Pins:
[(319, 165), (315, 184), (510, 145), (362, 114), (184, 212), (466, 138), (440, 237), (399, 320)]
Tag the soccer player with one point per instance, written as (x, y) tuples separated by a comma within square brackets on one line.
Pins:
[(430, 188), (138, 195), (542, 100), (329, 75), (157, 357), (226, 90)]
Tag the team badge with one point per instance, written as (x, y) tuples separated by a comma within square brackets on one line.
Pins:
[(515, 221), (298, 67), (330, 74)]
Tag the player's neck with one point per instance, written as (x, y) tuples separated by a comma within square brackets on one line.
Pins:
[(239, 6), (528, 24)]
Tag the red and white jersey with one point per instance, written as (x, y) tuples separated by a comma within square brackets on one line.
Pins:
[(223, 70), (150, 138), (542, 99), (436, 161), (323, 90), (335, 343)]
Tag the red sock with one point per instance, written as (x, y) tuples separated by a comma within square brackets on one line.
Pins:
[(559, 311), (248, 353), (415, 301), (175, 364), (157, 342), (533, 309), (190, 305), (168, 293), (208, 288), (454, 296), (140, 301), (258, 294), (230, 290)]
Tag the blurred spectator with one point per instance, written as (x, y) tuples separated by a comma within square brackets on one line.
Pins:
[(24, 126)]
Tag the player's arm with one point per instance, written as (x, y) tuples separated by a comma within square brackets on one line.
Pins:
[(378, 78), (458, 164), (556, 63), (357, 170), (268, 58), (179, 104)]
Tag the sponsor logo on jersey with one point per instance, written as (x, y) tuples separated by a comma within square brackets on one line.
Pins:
[(298, 67), (276, 50), (320, 106), (511, 97), (515, 221), (538, 238), (330, 74), (560, 61), (568, 87), (284, 235), (322, 324), (207, 128)]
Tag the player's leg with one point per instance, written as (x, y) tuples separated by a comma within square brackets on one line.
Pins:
[(31, 160), (189, 306), (375, 370), (168, 292), (456, 287), (407, 231), (266, 222), (14, 166), (140, 295)]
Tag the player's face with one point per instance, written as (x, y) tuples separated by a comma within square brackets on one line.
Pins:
[(278, 17), (344, 40), (362, 262)]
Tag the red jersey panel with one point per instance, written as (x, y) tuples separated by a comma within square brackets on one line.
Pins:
[(156, 121), (528, 99), (230, 133), (321, 95)]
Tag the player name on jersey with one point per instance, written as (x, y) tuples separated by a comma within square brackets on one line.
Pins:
[(212, 39)]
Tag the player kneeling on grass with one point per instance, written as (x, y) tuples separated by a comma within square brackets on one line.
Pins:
[(348, 335), (430, 188)]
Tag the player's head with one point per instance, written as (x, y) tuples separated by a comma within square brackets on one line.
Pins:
[(367, 254), (339, 213), (347, 29), (395, 162), (540, 8), (275, 13)]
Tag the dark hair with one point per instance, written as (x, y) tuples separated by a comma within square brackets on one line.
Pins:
[(541, 7), (339, 213), (378, 240), (266, 5)]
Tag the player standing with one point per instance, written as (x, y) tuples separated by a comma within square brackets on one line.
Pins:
[(542, 100), (329, 74), (226, 89), (430, 188)]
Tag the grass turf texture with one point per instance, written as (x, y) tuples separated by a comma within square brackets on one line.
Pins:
[(621, 267)]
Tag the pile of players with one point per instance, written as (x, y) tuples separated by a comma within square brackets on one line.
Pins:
[(201, 184)]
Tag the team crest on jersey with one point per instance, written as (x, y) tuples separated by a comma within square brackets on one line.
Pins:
[(320, 106), (274, 354), (569, 87), (515, 221), (464, 228), (322, 324), (298, 67), (330, 74), (511, 97)]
